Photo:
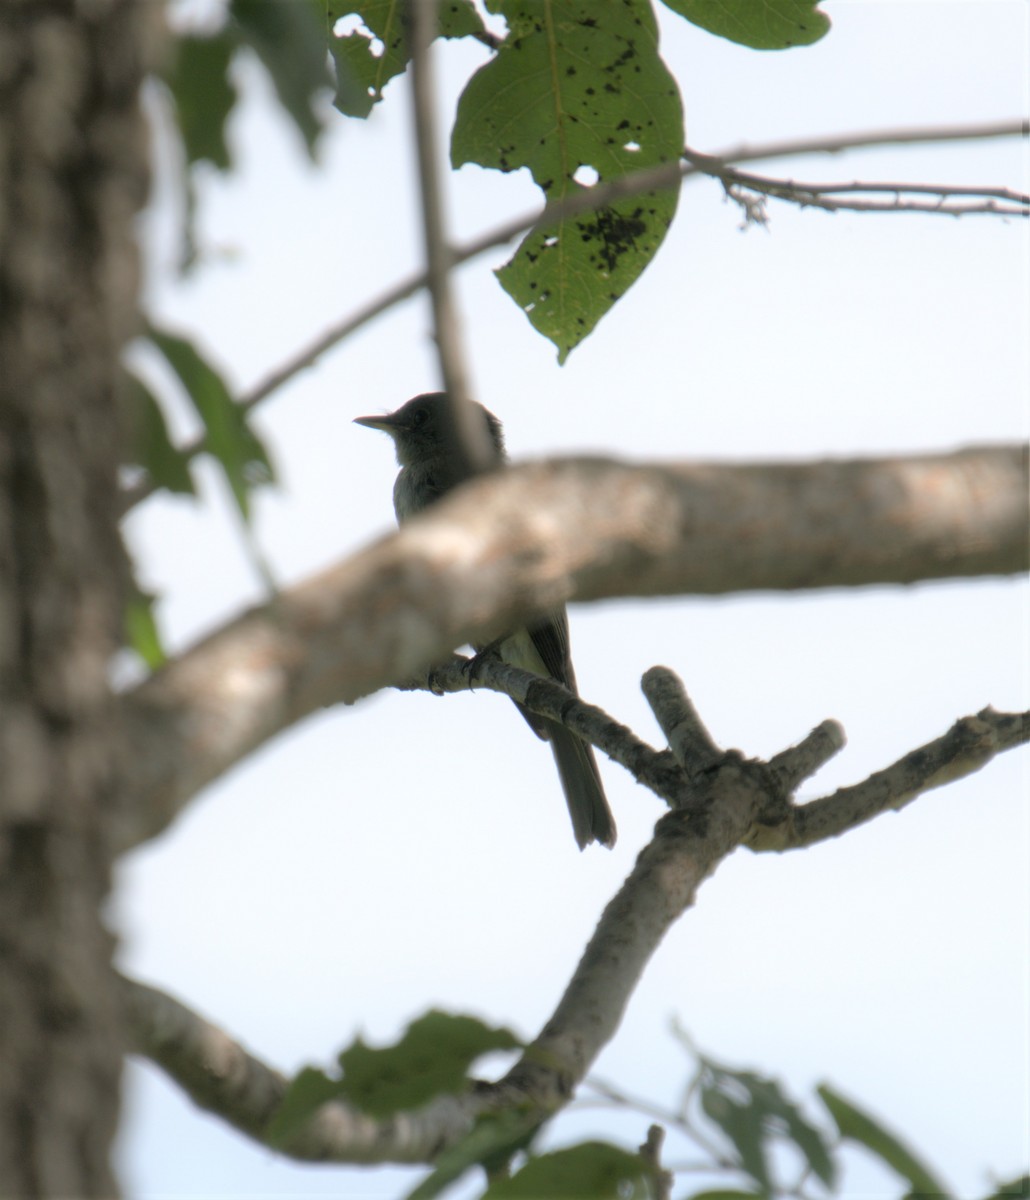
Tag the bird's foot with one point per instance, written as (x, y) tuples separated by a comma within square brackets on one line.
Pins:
[(470, 667), (433, 681)]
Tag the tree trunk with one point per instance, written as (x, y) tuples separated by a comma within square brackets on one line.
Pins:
[(72, 176)]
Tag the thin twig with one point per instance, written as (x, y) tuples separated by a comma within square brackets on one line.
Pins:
[(471, 441), (836, 143), (927, 189), (678, 1120), (826, 195), (989, 208)]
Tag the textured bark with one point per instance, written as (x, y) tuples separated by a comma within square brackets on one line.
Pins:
[(72, 176)]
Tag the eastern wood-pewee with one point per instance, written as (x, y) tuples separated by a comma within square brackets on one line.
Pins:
[(430, 466)]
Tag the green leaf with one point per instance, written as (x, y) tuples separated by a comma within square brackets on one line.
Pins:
[(857, 1126), (750, 1109), (151, 447), (590, 1171), (1012, 1187), (309, 1089), (433, 1056), (492, 1141), (204, 96), (727, 1194), (576, 84), (141, 632), (228, 438), (288, 37), (760, 24), (458, 18), (369, 57)]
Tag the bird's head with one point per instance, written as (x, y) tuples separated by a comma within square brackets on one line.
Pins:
[(419, 428)]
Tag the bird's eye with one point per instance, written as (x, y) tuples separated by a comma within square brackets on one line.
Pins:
[(420, 417)]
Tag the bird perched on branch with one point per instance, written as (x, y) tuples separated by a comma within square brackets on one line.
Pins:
[(432, 463)]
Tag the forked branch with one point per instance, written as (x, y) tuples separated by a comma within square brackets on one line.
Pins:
[(718, 801)]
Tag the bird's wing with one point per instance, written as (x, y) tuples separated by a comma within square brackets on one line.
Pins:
[(551, 639)]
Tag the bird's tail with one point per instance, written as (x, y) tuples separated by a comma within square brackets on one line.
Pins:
[(592, 819)]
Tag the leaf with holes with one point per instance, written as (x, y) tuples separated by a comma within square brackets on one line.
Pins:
[(760, 24), (578, 93), (375, 49)]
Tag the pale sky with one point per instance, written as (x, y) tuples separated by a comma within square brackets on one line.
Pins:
[(335, 884)]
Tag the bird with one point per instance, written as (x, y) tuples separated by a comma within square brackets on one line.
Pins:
[(431, 465)]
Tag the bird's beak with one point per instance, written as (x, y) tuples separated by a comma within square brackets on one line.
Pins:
[(387, 423)]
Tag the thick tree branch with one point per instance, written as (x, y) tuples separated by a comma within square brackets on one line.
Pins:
[(724, 801), (219, 1075), (665, 176), (501, 549)]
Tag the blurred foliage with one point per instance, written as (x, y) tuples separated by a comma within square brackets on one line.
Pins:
[(595, 1169), (754, 1112), (228, 435), (287, 38), (149, 445), (141, 631), (375, 50), (152, 456), (853, 1124), (433, 1057), (749, 1136)]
